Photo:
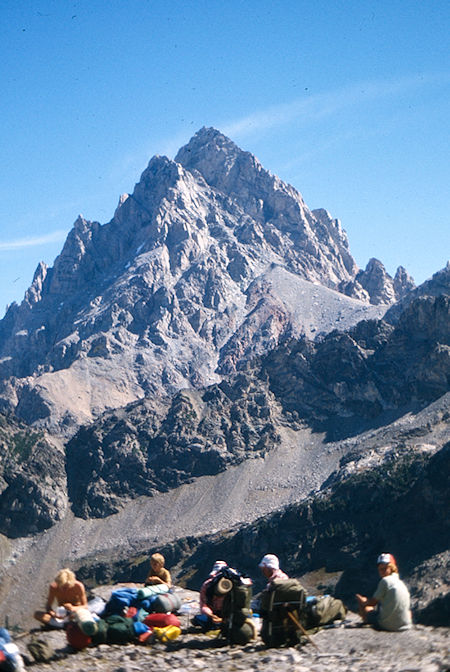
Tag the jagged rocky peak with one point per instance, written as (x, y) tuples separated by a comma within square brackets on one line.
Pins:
[(275, 205), (239, 175), (437, 285), (403, 282), (209, 261), (374, 284), (377, 282), (34, 293)]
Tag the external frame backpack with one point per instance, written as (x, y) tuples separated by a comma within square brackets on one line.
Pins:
[(237, 626), (284, 596)]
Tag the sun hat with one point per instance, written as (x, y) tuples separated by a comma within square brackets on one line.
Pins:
[(217, 566), (270, 561), (386, 559)]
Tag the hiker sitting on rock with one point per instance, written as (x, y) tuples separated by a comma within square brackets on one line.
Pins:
[(68, 593), (158, 574), (270, 567), (389, 608), (211, 599)]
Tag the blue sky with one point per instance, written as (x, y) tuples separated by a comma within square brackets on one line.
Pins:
[(349, 101)]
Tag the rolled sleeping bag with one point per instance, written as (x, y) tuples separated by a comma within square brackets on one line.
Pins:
[(165, 604), (150, 591), (85, 621), (161, 620)]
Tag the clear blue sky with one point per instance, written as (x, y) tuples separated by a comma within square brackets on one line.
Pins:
[(349, 101)]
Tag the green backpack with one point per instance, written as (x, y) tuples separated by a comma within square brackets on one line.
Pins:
[(324, 610), (236, 613), (285, 596)]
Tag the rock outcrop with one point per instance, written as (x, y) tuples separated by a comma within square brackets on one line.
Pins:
[(437, 285), (137, 451), (33, 493)]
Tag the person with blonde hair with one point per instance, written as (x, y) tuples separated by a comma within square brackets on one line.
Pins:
[(68, 593), (389, 608), (158, 573)]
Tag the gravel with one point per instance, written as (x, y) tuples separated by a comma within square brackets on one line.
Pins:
[(346, 648)]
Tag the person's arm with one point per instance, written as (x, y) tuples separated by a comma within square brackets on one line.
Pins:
[(380, 592), (83, 597), (366, 601), (204, 608), (50, 599)]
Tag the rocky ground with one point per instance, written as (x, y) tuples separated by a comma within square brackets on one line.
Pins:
[(344, 648)]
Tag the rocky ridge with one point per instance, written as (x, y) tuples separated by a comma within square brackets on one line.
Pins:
[(332, 537), (181, 520)]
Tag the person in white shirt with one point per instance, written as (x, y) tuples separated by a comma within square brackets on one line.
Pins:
[(389, 608)]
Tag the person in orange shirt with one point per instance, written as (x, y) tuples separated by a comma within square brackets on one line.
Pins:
[(158, 573), (68, 593)]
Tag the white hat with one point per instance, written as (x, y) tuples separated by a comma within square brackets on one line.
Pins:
[(386, 559), (270, 561), (218, 565)]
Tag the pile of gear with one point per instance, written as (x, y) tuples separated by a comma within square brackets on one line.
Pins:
[(131, 614)]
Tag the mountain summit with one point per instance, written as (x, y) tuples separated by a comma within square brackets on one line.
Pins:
[(209, 262)]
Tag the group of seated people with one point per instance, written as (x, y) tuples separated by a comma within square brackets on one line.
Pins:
[(70, 594), (388, 609)]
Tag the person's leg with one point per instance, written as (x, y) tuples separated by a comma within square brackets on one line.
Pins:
[(367, 612), (203, 621), (42, 616)]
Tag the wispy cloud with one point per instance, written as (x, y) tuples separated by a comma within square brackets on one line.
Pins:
[(321, 105), (21, 243)]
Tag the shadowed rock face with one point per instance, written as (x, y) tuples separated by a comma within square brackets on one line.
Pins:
[(195, 274), (370, 369), (32, 480), (140, 451), (340, 385)]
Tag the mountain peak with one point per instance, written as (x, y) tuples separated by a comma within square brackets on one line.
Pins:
[(214, 155)]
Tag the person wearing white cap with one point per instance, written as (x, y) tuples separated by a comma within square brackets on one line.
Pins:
[(270, 567), (389, 608)]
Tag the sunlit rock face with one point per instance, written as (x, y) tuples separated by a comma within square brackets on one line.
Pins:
[(209, 262)]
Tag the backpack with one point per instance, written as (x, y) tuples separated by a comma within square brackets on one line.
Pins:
[(237, 626), (324, 610), (236, 613), (284, 596)]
